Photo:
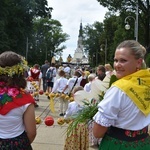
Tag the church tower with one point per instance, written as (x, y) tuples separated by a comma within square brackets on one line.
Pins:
[(79, 54)]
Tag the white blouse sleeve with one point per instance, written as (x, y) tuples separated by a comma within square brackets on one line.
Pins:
[(109, 107), (40, 75)]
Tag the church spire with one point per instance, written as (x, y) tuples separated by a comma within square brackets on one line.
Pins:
[(80, 30)]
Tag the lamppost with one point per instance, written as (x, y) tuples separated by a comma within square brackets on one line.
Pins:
[(27, 48), (127, 26)]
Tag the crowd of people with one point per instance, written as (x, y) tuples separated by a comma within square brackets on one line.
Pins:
[(123, 115)]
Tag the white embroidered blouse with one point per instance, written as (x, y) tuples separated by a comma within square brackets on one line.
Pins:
[(118, 110)]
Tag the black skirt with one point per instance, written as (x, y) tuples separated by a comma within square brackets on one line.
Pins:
[(20, 142)]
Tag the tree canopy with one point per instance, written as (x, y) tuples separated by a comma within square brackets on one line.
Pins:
[(26, 27), (113, 29), (129, 7), (16, 22), (47, 39), (28, 24)]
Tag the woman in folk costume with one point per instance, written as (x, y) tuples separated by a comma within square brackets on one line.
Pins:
[(17, 117), (124, 114), (35, 83), (78, 139)]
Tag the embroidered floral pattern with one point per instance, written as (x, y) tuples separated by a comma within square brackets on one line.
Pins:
[(130, 133), (20, 142), (109, 143), (7, 93)]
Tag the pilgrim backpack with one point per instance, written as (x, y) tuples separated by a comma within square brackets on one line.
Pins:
[(49, 75)]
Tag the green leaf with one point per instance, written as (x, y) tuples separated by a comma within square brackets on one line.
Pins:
[(84, 116), (112, 80), (5, 99)]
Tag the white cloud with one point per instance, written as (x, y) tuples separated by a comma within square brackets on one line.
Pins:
[(70, 13)]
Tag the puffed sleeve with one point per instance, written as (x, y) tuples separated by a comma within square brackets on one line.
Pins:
[(109, 107)]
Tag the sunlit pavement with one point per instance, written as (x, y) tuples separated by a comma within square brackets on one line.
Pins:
[(49, 137)]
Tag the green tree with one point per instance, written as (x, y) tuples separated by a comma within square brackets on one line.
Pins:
[(130, 6), (112, 24), (100, 39), (16, 22), (91, 40), (47, 40)]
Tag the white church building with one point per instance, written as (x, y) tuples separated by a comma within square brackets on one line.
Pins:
[(79, 56)]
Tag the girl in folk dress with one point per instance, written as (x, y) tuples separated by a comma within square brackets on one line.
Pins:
[(79, 138), (17, 114), (35, 75)]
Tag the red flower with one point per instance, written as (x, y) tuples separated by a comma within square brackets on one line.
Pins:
[(138, 132), (142, 140), (13, 92), (3, 90), (134, 134), (127, 133), (2, 83)]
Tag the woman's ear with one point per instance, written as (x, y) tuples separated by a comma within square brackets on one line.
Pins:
[(139, 63)]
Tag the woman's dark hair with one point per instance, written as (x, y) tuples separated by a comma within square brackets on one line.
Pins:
[(9, 59)]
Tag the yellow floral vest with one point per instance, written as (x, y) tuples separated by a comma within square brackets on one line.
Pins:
[(137, 88)]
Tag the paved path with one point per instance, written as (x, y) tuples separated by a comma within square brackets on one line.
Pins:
[(49, 137)]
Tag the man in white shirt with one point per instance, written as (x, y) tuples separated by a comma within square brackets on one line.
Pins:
[(74, 81)]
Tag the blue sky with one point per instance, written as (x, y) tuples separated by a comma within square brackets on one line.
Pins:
[(70, 13)]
